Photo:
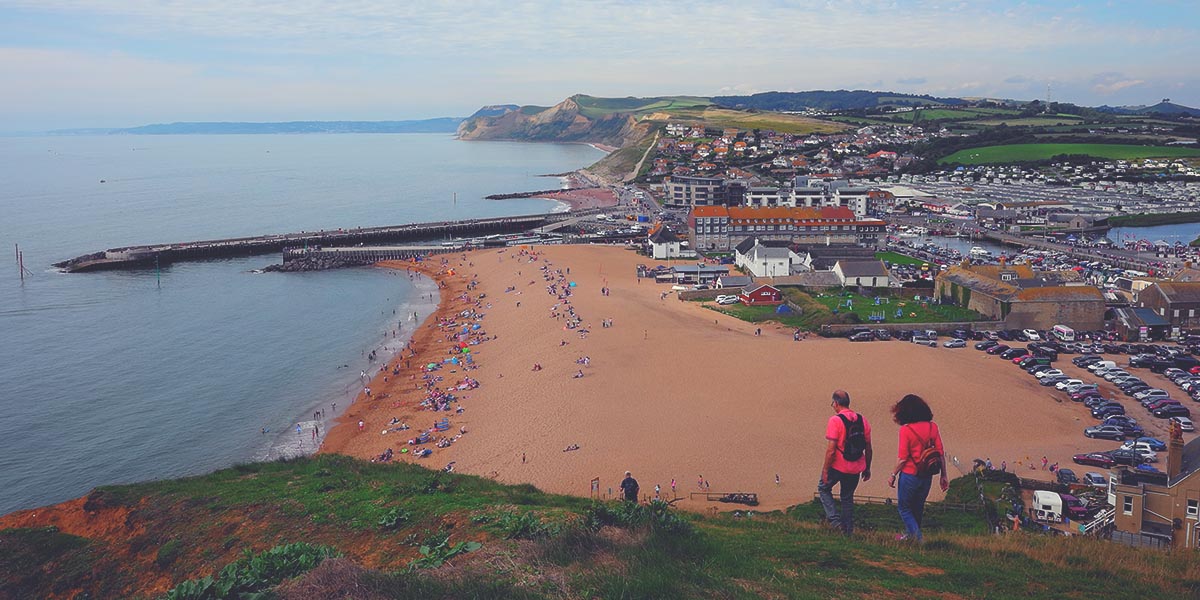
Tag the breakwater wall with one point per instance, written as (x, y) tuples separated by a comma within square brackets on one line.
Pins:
[(133, 257), (537, 193)]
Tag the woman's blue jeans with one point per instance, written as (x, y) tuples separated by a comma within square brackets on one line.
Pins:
[(911, 492)]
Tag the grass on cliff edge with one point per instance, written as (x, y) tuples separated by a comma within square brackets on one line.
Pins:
[(538, 545)]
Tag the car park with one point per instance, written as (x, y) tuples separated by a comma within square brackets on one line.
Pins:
[(1081, 386), (1052, 380), (1105, 432), (997, 349), (1083, 361), (1084, 395), (956, 343), (1129, 428), (1048, 373), (1095, 459), (883, 334), (1012, 353), (1185, 423), (1095, 400), (1107, 410), (924, 341)]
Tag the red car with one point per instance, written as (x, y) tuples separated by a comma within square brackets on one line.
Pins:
[(997, 349), (1095, 459), (1194, 370)]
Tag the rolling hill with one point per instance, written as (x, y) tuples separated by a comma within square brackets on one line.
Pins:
[(829, 100)]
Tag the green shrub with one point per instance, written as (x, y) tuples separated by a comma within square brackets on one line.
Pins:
[(395, 518), (253, 574), (525, 526)]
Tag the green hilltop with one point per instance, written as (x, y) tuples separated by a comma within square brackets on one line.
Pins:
[(336, 527)]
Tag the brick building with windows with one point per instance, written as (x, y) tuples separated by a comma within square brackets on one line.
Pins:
[(723, 228)]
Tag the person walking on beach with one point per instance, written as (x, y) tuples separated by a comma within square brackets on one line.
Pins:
[(848, 456), (629, 487), (919, 458)]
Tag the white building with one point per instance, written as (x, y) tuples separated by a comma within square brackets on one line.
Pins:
[(765, 258)]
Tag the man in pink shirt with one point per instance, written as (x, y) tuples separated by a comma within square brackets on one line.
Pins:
[(847, 455)]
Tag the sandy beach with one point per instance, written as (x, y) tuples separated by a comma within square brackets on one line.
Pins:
[(675, 391)]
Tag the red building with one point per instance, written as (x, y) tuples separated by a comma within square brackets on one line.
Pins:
[(763, 295)]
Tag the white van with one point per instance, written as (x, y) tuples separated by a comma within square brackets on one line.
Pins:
[(1047, 507), (1103, 364)]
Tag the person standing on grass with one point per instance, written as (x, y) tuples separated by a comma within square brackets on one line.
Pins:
[(919, 458), (629, 487), (847, 457)]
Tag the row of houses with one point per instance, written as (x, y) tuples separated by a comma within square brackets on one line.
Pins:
[(721, 228)]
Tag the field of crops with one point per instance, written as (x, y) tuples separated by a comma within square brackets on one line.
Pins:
[(1030, 152)]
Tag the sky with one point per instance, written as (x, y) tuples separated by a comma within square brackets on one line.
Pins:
[(119, 63)]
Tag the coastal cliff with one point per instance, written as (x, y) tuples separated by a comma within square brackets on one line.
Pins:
[(566, 121)]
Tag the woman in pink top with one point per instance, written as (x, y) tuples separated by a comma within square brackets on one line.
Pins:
[(917, 430)]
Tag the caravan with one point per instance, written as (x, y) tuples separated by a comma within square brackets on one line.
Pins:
[(1063, 333)]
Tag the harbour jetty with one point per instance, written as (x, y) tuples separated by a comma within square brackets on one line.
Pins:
[(134, 257)]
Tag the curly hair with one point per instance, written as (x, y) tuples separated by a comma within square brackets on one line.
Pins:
[(911, 409)]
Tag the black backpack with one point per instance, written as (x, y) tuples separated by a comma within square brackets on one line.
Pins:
[(856, 438)]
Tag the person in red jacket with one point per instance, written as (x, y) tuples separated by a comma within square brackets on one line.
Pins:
[(919, 458)]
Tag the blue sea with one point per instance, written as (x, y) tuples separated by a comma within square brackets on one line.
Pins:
[(121, 376)]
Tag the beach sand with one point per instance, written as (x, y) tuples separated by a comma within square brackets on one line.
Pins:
[(675, 390)]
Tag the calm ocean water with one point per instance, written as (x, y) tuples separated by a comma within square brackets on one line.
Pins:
[(112, 377)]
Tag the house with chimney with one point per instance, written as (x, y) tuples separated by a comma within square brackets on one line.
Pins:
[(1160, 508)]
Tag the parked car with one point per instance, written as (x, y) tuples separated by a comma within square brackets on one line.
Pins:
[(883, 334), (956, 343), (1153, 443), (1084, 395), (1052, 380), (1066, 476), (1125, 457), (1095, 480), (1032, 335), (997, 349), (984, 345), (1048, 373), (1107, 410), (1119, 420), (1130, 429), (1151, 393), (1095, 459), (924, 341), (1141, 448), (862, 336), (1067, 383), (1105, 432), (1012, 353), (1185, 423), (1172, 410)]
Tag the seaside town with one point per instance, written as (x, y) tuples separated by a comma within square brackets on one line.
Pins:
[(923, 325)]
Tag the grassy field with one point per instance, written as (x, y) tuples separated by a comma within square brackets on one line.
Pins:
[(1030, 152), (899, 259), (783, 123), (910, 310), (1028, 121), (593, 107), (829, 308), (481, 539)]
